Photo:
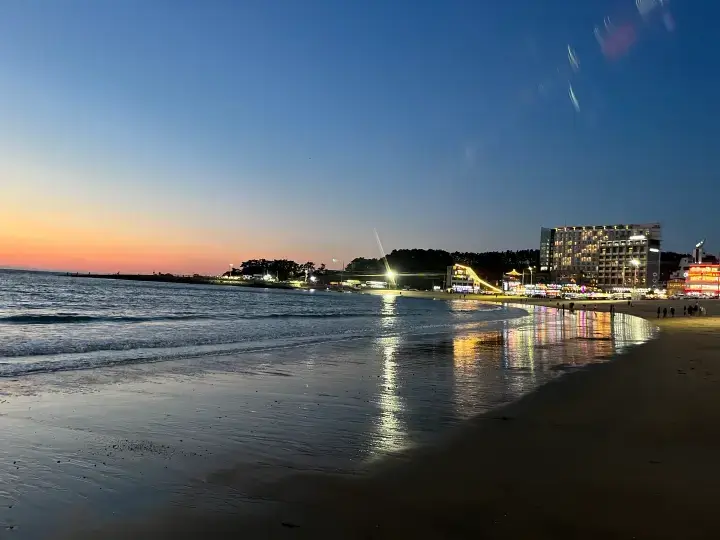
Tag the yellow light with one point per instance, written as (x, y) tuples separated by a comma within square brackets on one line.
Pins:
[(391, 274), (475, 277)]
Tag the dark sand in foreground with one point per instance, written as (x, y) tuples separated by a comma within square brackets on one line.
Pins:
[(627, 449)]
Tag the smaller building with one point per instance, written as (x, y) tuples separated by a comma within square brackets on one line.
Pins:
[(676, 286), (703, 280), (511, 283), (682, 271), (463, 279)]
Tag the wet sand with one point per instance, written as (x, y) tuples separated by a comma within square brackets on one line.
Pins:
[(93, 450), (626, 449)]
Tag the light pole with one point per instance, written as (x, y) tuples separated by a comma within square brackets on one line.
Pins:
[(392, 277), (531, 271), (635, 263), (657, 250), (342, 273)]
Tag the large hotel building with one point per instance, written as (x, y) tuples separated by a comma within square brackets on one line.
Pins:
[(604, 255)]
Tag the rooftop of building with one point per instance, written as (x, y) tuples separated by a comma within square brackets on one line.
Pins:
[(604, 227)]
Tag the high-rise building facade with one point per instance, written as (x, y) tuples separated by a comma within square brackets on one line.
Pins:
[(547, 245), (604, 255)]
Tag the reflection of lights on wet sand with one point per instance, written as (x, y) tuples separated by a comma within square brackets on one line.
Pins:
[(573, 339), (473, 355), (391, 433), (629, 330), (467, 348)]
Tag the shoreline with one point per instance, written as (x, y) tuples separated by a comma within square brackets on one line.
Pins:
[(186, 280), (625, 448)]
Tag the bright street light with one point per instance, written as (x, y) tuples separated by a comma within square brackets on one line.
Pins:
[(392, 275), (313, 279), (635, 263)]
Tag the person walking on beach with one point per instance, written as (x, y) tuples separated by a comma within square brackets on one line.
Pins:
[(664, 313), (672, 311), (658, 312)]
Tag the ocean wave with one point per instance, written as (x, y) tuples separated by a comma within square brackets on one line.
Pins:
[(71, 318), (115, 357), (118, 354)]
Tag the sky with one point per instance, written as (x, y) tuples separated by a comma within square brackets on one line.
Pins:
[(185, 135)]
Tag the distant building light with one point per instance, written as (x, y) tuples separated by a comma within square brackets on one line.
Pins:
[(638, 237)]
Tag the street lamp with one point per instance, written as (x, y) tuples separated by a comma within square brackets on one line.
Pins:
[(657, 250), (531, 271), (391, 275), (635, 263)]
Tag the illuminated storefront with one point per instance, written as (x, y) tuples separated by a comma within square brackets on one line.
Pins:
[(511, 283), (550, 290), (676, 286), (703, 279)]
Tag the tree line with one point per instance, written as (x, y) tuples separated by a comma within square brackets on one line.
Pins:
[(491, 265), (280, 269)]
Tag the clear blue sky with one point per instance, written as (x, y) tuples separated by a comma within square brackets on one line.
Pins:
[(237, 129)]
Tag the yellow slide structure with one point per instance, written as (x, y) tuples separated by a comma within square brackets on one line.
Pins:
[(475, 277)]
